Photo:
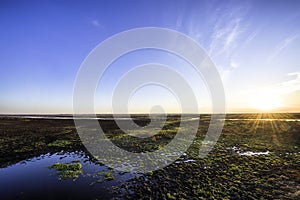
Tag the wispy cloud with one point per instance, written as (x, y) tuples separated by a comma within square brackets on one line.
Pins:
[(222, 35), (251, 36), (233, 34), (287, 86), (179, 19), (219, 34), (234, 64), (225, 35), (281, 46), (224, 41), (96, 23), (283, 88)]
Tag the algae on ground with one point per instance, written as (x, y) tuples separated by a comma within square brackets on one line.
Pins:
[(59, 143), (109, 176), (67, 170)]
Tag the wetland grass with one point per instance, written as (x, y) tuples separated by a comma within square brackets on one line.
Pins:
[(67, 170)]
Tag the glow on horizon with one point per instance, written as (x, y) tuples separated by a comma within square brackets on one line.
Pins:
[(266, 103)]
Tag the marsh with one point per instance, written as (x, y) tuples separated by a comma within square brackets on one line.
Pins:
[(256, 156)]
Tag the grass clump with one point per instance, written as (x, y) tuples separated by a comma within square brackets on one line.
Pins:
[(67, 170), (59, 143), (109, 176)]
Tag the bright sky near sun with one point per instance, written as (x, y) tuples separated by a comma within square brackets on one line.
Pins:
[(255, 45)]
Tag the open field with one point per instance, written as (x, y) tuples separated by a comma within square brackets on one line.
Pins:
[(257, 156)]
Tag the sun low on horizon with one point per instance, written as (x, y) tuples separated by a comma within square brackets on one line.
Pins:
[(265, 103)]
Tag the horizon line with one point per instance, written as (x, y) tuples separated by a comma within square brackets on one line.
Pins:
[(171, 113)]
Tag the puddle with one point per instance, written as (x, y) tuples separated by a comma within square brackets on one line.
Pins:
[(32, 178), (247, 153), (185, 161), (250, 153)]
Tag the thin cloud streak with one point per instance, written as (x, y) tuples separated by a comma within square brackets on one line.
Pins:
[(287, 86), (96, 23), (283, 88), (251, 37), (281, 46), (227, 30), (224, 44)]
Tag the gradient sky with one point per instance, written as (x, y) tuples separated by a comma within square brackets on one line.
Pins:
[(254, 44)]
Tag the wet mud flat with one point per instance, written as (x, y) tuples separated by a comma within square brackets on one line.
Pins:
[(256, 156)]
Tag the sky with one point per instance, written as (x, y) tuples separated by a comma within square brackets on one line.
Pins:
[(255, 46)]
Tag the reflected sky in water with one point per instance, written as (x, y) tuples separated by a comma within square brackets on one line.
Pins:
[(33, 179)]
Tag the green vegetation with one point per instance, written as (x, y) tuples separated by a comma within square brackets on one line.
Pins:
[(59, 143), (109, 176), (253, 159), (234, 169), (22, 139), (67, 170)]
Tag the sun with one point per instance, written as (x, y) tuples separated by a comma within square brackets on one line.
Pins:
[(265, 102)]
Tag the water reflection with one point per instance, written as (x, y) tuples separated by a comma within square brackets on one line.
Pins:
[(247, 153), (33, 179)]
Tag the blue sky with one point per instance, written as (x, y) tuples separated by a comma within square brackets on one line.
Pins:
[(254, 44)]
